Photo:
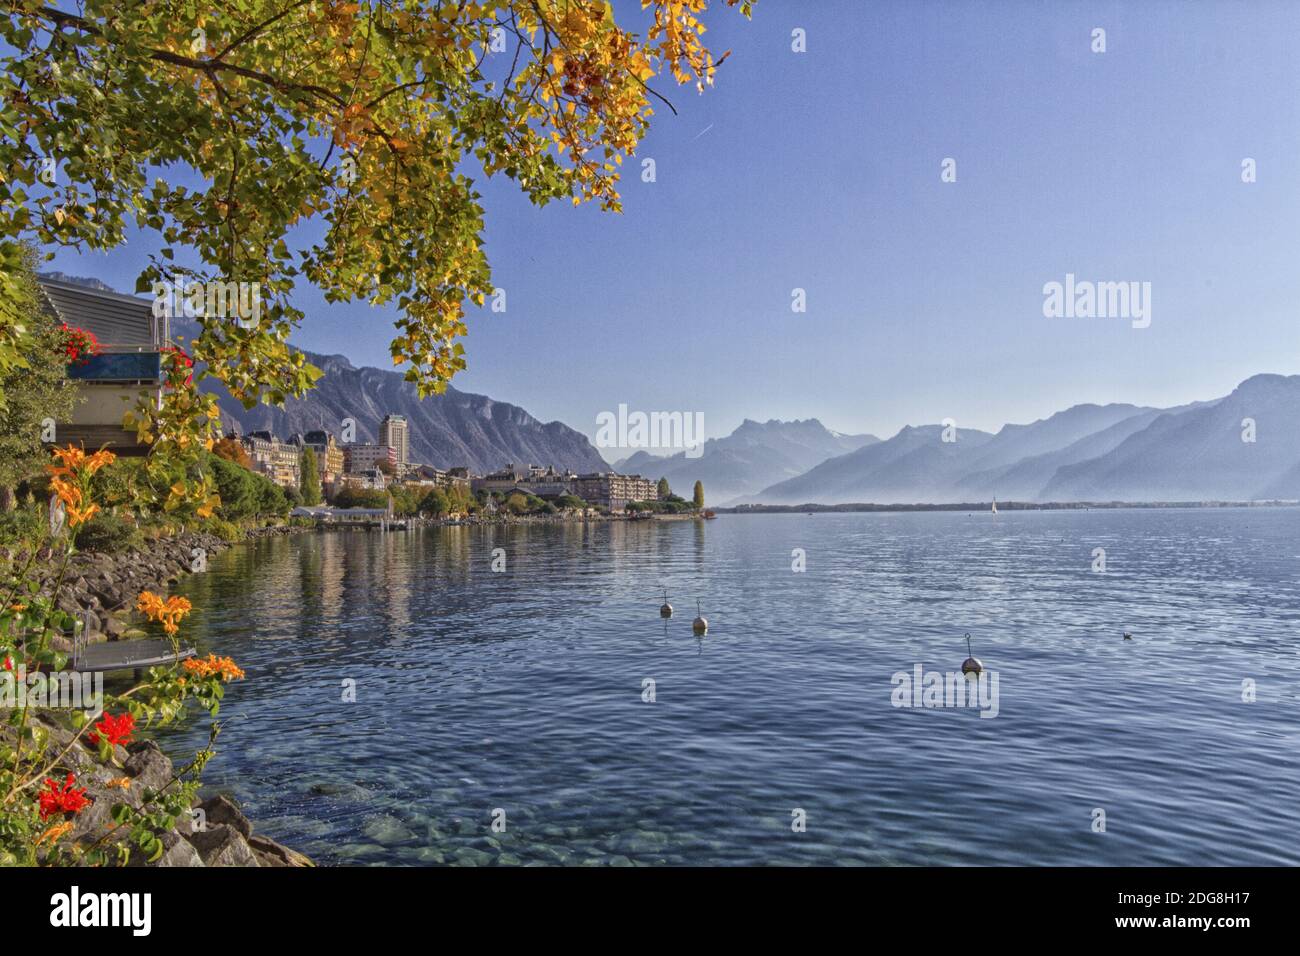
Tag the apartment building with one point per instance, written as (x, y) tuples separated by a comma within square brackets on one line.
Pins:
[(393, 431), (367, 457), (613, 491), (281, 461), (502, 480)]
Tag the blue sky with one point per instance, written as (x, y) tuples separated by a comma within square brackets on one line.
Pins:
[(821, 171)]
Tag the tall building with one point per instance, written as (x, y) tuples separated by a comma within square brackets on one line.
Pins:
[(393, 432)]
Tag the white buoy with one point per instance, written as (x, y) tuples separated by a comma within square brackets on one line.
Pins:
[(666, 609), (699, 625), (972, 664)]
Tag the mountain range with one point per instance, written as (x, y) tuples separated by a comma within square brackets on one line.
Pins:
[(754, 456), (455, 428), (1242, 447)]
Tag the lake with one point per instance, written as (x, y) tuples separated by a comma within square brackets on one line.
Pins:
[(521, 696)]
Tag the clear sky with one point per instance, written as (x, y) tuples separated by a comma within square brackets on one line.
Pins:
[(821, 171)]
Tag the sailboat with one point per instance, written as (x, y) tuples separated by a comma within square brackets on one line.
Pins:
[(995, 506)]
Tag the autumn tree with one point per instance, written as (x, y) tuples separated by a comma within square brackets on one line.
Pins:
[(232, 449), (277, 141), (698, 500), (309, 478)]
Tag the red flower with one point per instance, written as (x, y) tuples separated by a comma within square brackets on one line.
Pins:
[(78, 344), (116, 730), (9, 663), (64, 799)]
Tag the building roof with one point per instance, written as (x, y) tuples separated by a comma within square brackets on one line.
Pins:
[(117, 321)]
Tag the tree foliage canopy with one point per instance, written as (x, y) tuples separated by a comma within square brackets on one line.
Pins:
[(225, 128)]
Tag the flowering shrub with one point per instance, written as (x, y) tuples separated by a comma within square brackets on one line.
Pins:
[(78, 344), (45, 788)]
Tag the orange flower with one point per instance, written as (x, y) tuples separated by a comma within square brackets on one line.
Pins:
[(119, 783), (55, 833), (71, 456), (68, 493), (98, 460), (168, 612), (214, 666), (78, 516)]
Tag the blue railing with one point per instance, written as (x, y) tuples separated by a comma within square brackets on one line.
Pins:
[(119, 367)]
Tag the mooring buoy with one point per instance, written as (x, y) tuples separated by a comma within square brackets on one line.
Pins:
[(666, 609), (699, 625), (972, 664)]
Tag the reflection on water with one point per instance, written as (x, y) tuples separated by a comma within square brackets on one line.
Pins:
[(522, 690)]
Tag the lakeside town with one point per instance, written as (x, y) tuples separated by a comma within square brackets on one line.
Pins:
[(346, 472)]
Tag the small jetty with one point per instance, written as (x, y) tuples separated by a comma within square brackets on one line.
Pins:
[(135, 655)]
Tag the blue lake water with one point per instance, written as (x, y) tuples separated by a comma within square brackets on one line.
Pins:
[(523, 690)]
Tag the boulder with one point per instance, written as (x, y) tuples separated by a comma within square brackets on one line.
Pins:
[(221, 809), (179, 852), (270, 853), (148, 764), (223, 845)]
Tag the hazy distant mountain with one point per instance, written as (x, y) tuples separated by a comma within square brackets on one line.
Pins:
[(1025, 479), (1193, 452), (1021, 459), (915, 465), (755, 455), (1199, 454)]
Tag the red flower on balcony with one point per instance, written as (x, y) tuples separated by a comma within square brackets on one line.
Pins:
[(62, 799), (79, 345), (116, 730)]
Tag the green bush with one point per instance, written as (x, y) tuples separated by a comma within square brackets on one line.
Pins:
[(227, 531), (109, 532), (244, 493), (23, 526), (354, 496)]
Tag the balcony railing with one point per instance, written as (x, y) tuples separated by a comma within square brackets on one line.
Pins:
[(119, 367)]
